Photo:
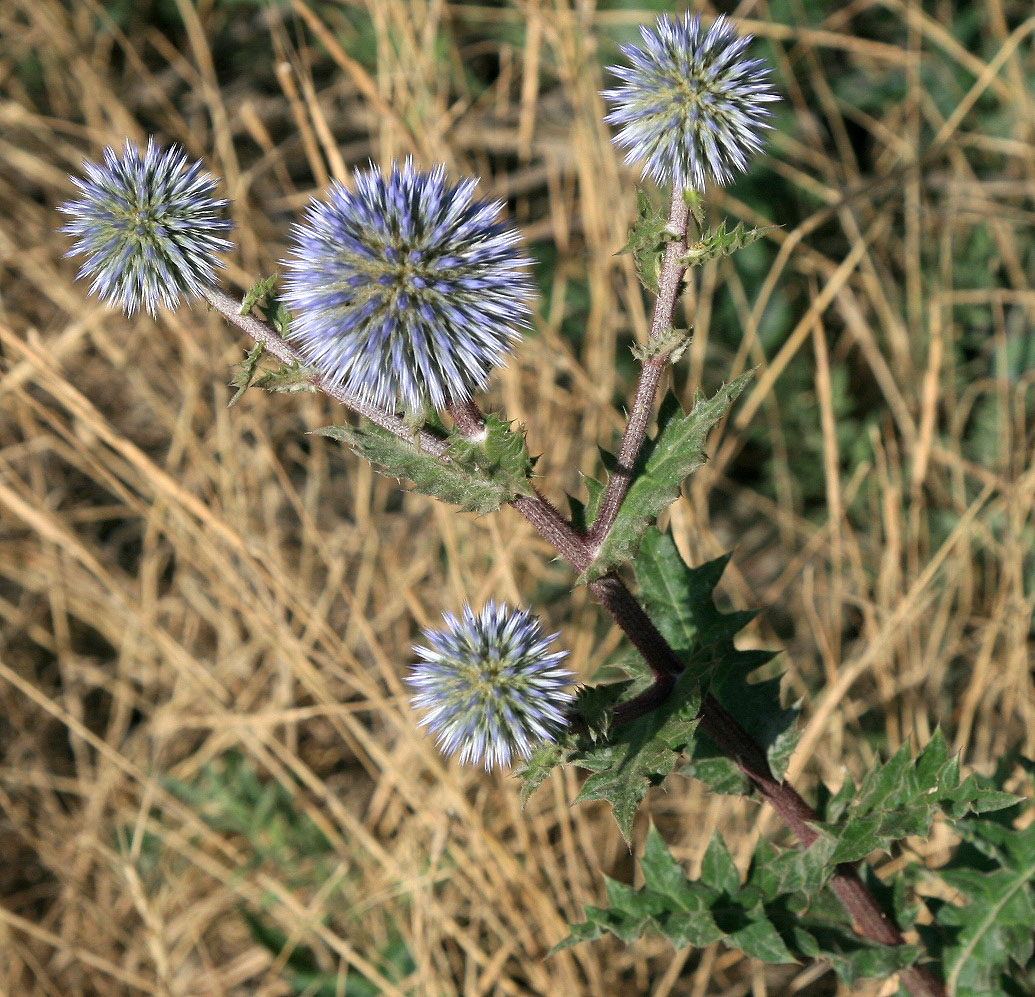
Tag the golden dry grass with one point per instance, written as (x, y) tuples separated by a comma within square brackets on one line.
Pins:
[(185, 589)]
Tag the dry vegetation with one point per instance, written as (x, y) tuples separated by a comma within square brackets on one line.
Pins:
[(210, 782)]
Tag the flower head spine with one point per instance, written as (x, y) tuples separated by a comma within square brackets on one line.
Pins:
[(490, 685), (691, 106), (407, 290), (148, 226)]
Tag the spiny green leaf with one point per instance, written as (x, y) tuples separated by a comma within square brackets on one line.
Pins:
[(796, 873), (720, 242), (717, 868), (676, 451), (900, 798), (287, 378), (640, 754), (673, 342), (244, 373), (398, 458), (258, 291), (500, 457), (679, 600), (694, 200), (627, 760), (479, 476), (263, 297), (583, 513), (647, 239), (592, 719), (988, 941), (781, 913)]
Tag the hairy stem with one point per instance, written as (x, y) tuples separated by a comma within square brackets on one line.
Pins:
[(669, 285), (729, 736), (277, 346)]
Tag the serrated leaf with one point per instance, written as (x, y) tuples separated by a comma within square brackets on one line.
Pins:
[(244, 373), (625, 761), (686, 912), (398, 458), (592, 708), (900, 798), (673, 342), (797, 874), (665, 462), (500, 457), (479, 475), (719, 242), (583, 513), (717, 868), (647, 239), (258, 291), (988, 939), (287, 378), (263, 297), (679, 600), (780, 913), (641, 753)]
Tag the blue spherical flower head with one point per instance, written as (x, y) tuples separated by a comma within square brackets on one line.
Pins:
[(407, 290), (691, 106), (490, 685), (148, 226)]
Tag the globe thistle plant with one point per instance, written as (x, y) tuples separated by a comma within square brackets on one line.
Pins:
[(491, 687), (691, 106), (406, 291), (148, 226)]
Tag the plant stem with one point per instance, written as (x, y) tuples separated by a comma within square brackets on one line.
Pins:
[(578, 549), (279, 347), (670, 283)]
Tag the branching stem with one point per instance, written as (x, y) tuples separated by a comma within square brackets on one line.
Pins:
[(670, 283), (578, 549)]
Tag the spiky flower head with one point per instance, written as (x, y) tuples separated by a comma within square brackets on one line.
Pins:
[(407, 290), (691, 107), (148, 226), (492, 688)]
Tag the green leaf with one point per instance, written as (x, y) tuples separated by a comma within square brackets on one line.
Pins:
[(719, 242), (244, 373), (459, 482), (625, 761), (287, 378), (900, 798), (676, 450), (647, 239), (641, 753), (500, 457), (258, 291), (717, 868), (263, 297), (687, 912), (673, 342), (985, 943), (679, 601), (778, 915), (583, 513)]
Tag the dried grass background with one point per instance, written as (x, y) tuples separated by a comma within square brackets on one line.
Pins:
[(210, 781)]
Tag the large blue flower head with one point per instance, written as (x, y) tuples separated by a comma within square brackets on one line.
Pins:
[(691, 106), (148, 226), (407, 291), (492, 688)]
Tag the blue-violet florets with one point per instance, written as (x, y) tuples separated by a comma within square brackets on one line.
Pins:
[(691, 107), (148, 225), (406, 291), (492, 689)]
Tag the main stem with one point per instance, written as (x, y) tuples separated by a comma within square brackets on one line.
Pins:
[(670, 282), (578, 549)]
